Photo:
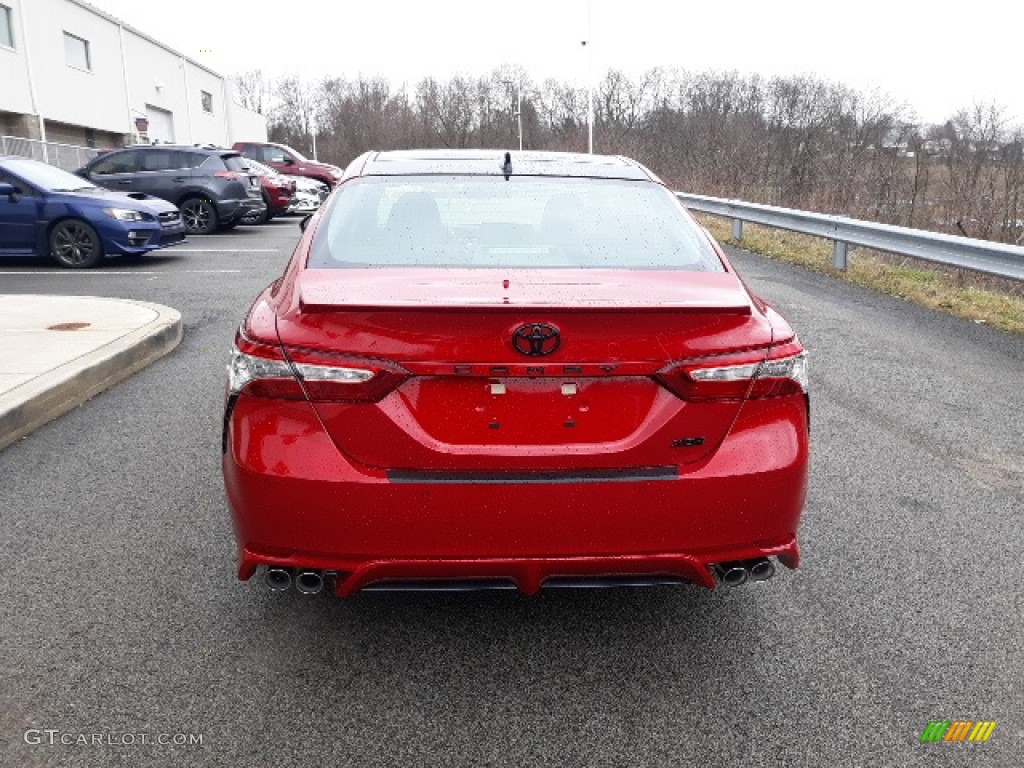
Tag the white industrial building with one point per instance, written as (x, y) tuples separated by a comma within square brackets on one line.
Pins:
[(73, 75)]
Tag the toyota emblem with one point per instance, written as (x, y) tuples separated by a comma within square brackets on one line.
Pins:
[(536, 339)]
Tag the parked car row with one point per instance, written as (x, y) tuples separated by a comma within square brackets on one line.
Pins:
[(215, 188), (135, 200), (211, 187), (284, 195)]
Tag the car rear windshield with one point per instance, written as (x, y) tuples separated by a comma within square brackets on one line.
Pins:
[(235, 163), (522, 222), (259, 168)]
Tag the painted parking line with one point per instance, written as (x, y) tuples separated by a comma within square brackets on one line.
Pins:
[(225, 250), (102, 272)]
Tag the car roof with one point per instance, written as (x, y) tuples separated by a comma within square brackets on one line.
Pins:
[(246, 144), (491, 162), (187, 147)]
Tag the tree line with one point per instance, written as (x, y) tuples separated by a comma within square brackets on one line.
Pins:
[(800, 142)]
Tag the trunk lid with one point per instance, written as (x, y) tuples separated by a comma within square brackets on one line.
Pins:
[(476, 402)]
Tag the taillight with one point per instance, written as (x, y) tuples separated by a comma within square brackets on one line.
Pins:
[(261, 370), (229, 175), (335, 378), (778, 371), (265, 370)]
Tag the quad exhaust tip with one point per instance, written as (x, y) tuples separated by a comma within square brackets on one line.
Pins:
[(761, 570), (309, 582), (732, 574), (738, 572), (278, 579)]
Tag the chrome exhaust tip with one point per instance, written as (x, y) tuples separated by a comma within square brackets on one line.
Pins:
[(309, 582), (278, 579), (761, 570), (731, 574)]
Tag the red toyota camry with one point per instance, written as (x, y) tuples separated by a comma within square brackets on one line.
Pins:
[(487, 369)]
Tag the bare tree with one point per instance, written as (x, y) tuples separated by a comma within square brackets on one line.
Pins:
[(798, 141), (253, 90), (295, 113)]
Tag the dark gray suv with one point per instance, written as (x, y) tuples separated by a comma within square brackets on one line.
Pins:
[(212, 187)]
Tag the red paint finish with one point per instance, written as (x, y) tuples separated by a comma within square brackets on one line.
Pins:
[(383, 424), (456, 423), (286, 160), (471, 289), (297, 501), (279, 192)]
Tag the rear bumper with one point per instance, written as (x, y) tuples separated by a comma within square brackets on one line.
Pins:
[(229, 210), (528, 575), (296, 501), (304, 204), (279, 202)]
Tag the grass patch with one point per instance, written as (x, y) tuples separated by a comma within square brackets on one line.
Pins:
[(993, 301)]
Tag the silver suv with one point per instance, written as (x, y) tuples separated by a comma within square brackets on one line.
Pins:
[(212, 188)]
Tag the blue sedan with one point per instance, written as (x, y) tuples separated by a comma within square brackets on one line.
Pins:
[(45, 211)]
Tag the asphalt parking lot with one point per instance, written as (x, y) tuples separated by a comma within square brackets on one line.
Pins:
[(122, 615)]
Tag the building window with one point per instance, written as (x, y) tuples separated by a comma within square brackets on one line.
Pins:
[(6, 27), (76, 52), (207, 99)]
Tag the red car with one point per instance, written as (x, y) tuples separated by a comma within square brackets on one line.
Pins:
[(278, 193), (286, 160), (495, 370)]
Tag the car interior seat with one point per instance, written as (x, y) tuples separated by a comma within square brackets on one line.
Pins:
[(415, 215)]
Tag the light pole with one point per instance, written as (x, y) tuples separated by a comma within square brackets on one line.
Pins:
[(312, 130), (519, 112), (588, 44)]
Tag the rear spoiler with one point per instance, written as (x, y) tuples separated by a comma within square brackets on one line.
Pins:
[(473, 290)]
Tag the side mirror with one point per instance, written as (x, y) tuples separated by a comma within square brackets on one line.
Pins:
[(288, 160), (10, 192), (305, 222)]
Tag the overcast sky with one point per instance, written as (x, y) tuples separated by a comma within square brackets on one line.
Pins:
[(936, 57)]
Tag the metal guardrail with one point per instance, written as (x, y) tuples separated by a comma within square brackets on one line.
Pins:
[(951, 250), (67, 156)]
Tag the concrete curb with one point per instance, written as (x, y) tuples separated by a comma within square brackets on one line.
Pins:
[(54, 393)]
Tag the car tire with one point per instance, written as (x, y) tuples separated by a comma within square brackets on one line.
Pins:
[(74, 244), (199, 216)]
